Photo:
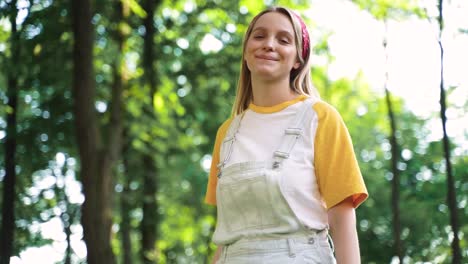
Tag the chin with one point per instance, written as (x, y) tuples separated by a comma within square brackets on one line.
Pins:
[(264, 70), (265, 75)]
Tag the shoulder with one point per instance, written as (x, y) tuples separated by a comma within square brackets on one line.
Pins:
[(326, 111), (225, 125), (223, 128)]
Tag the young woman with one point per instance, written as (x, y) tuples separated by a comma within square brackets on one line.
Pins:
[(284, 172)]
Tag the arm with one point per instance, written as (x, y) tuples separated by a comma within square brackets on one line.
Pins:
[(216, 255), (342, 220)]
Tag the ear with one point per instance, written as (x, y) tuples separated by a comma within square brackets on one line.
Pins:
[(296, 65)]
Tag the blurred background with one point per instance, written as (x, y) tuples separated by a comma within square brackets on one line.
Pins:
[(109, 111)]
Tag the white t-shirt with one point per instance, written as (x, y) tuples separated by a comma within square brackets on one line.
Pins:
[(322, 169)]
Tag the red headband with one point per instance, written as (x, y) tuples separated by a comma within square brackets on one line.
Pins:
[(305, 37)]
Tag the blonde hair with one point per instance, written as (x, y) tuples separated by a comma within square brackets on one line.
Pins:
[(300, 79)]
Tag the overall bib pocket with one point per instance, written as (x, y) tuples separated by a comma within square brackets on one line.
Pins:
[(245, 203)]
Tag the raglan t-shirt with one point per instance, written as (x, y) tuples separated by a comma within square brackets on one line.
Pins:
[(322, 169)]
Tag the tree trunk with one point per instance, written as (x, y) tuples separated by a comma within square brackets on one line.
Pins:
[(68, 215), (119, 81), (125, 208), (125, 228), (96, 159), (451, 193), (398, 247), (396, 219), (150, 221), (68, 232), (9, 182)]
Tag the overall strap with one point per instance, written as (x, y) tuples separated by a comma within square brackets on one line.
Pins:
[(225, 153), (292, 133)]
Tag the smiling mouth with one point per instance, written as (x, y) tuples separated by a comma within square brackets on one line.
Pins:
[(266, 58)]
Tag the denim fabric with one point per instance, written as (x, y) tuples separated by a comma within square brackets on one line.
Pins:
[(255, 222), (305, 249), (250, 204)]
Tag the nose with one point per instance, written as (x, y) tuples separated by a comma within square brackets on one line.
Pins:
[(268, 44)]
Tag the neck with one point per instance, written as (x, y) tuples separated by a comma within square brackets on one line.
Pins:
[(270, 93)]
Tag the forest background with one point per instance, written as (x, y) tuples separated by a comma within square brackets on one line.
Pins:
[(109, 110)]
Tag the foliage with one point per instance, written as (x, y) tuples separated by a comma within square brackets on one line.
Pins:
[(197, 45), (386, 9)]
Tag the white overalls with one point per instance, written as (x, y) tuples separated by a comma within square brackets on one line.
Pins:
[(255, 223)]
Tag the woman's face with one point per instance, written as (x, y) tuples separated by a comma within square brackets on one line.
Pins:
[(270, 51)]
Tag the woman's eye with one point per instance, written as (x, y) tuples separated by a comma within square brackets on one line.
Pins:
[(258, 36)]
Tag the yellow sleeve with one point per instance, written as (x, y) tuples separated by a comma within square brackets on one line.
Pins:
[(210, 197), (336, 168)]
